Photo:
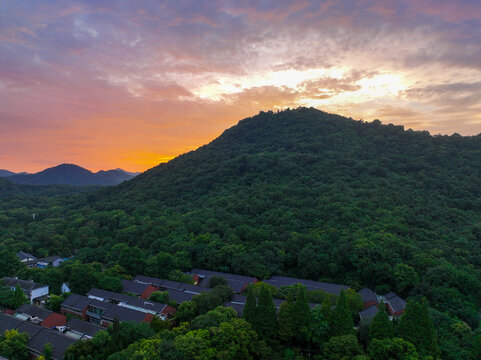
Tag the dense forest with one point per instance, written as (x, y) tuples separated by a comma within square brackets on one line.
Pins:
[(299, 192)]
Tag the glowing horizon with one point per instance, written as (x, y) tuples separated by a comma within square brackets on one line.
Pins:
[(130, 85)]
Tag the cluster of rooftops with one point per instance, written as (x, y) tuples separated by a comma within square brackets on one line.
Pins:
[(32, 261), (98, 308)]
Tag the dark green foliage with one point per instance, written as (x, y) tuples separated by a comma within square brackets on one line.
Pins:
[(13, 345), (319, 327), (187, 311), (476, 350), (392, 348), (416, 327), (287, 315), (160, 296), (341, 320), (216, 281), (303, 316), (210, 300), (9, 262), (381, 327), (265, 323), (250, 308), (47, 351), (345, 347), (213, 318), (12, 299)]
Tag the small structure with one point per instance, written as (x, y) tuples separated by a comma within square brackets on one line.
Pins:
[(25, 256), (31, 289), (78, 329), (368, 314), (40, 316), (395, 305)]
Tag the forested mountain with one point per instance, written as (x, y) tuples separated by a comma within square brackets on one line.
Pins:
[(301, 193), (6, 173), (69, 174)]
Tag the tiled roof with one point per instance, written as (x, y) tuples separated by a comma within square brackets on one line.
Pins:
[(397, 304), (123, 314), (368, 295), (107, 295), (145, 304), (53, 320), (59, 342), (22, 255), (239, 308), (279, 281), (24, 284), (34, 311), (133, 287), (149, 280), (236, 282), (8, 322), (369, 313), (83, 327), (29, 328), (77, 302), (179, 296), (194, 289)]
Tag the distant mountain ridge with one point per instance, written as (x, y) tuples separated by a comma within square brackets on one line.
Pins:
[(6, 173), (70, 174)]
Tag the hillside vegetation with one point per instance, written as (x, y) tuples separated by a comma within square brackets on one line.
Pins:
[(299, 192)]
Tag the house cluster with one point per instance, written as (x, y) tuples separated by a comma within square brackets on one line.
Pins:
[(98, 308), (46, 327), (394, 305), (31, 261)]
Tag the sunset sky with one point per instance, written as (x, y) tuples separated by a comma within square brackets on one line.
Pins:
[(107, 84)]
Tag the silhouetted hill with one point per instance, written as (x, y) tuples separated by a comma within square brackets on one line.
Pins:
[(6, 173), (69, 174)]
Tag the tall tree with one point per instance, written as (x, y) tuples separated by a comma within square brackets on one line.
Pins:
[(381, 327), (417, 327), (287, 317), (303, 316), (250, 309), (266, 318), (341, 321)]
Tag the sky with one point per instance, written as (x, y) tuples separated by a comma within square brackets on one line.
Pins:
[(130, 84)]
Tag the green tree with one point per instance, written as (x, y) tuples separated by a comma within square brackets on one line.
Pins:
[(381, 327), (344, 347), (319, 327), (392, 348), (187, 311), (18, 298), (14, 345), (213, 318), (265, 323), (217, 280), (47, 351), (341, 321), (405, 277), (476, 350), (416, 327), (303, 316), (250, 308), (9, 262), (287, 315), (160, 296)]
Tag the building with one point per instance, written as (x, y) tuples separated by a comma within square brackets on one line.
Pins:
[(32, 290), (278, 281), (395, 305), (368, 314), (25, 256), (139, 289), (238, 283), (58, 341), (76, 305), (123, 314), (40, 316), (368, 297), (78, 329)]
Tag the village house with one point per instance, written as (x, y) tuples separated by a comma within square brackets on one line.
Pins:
[(34, 292), (278, 281), (40, 316), (238, 283)]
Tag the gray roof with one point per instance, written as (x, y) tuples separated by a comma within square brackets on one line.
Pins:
[(179, 296), (59, 342), (194, 289), (397, 304), (368, 314), (147, 305), (123, 314), (100, 304), (8, 322), (236, 282), (34, 311), (77, 302), (133, 287), (239, 308), (83, 327), (108, 295), (149, 280), (368, 295), (22, 255), (24, 284), (29, 328), (279, 281)]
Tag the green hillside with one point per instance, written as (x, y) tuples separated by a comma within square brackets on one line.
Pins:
[(299, 192)]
